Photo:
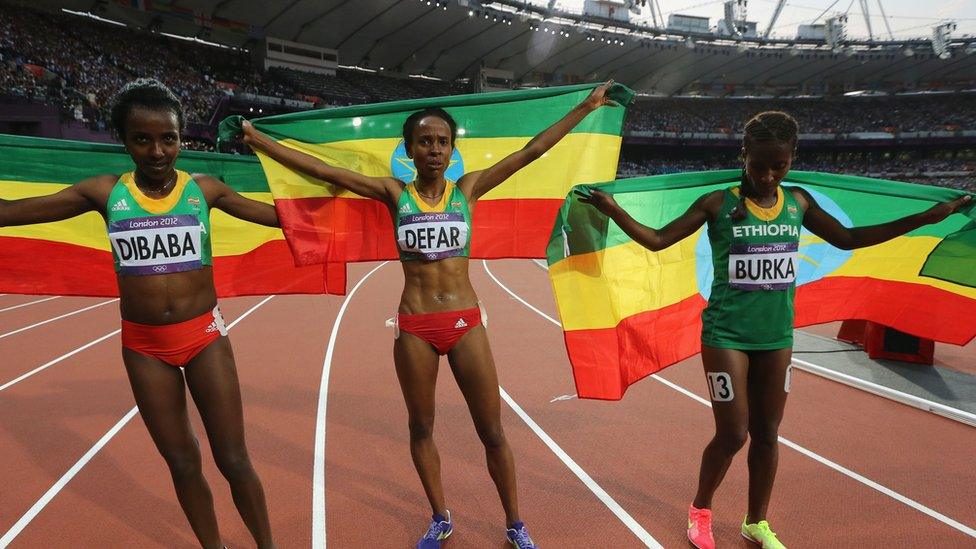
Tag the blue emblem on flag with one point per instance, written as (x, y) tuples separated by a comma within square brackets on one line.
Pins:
[(403, 169), (816, 259)]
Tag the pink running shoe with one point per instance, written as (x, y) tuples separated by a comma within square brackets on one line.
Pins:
[(700, 528)]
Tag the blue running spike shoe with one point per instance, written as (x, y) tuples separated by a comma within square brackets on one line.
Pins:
[(518, 536), (440, 528)]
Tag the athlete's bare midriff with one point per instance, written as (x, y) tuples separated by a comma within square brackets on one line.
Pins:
[(436, 286), (167, 298)]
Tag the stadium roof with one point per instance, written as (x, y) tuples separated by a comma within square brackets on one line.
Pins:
[(447, 40)]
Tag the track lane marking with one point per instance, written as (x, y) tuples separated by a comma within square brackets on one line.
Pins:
[(53, 491), (59, 359), (29, 303), (625, 517), (66, 315), (318, 461), (968, 530)]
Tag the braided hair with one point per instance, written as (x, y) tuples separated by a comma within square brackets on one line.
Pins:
[(147, 93), (765, 127)]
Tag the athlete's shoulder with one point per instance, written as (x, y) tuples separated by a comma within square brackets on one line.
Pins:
[(204, 179), (799, 194), (103, 180), (712, 200)]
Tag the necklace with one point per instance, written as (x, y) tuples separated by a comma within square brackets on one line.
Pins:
[(160, 191), (766, 211), (431, 197)]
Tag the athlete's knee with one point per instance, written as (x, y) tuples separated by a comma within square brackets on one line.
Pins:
[(184, 462), (731, 440), (492, 436), (765, 433), (421, 428), (234, 464)]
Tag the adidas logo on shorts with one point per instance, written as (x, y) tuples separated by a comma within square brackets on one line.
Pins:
[(217, 325), (460, 323), (120, 206)]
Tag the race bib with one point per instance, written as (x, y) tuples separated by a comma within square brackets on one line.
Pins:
[(157, 245), (433, 235), (762, 266)]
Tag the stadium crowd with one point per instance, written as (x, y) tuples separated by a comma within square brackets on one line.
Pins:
[(958, 173), (73, 63), (906, 113)]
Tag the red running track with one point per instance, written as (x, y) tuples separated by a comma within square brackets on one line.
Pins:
[(642, 451)]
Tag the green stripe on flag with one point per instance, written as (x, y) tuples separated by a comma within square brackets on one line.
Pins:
[(39, 160), (657, 200), (521, 113), (954, 259)]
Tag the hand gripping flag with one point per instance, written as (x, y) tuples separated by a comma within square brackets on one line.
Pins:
[(74, 257), (628, 312), (324, 223)]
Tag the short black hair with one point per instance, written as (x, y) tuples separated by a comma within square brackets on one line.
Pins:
[(147, 93), (415, 118)]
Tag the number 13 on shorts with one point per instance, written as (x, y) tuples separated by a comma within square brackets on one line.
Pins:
[(720, 386)]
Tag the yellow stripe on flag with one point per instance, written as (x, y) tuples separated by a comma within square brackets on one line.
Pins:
[(899, 260), (628, 276), (578, 158), (234, 237)]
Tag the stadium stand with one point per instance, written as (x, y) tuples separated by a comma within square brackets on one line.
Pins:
[(75, 64)]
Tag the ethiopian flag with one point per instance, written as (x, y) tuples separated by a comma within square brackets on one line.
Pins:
[(74, 257), (323, 222), (628, 312)]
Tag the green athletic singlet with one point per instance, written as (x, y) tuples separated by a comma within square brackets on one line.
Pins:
[(755, 263), (158, 236), (433, 232)]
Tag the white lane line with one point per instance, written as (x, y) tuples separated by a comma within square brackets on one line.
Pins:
[(969, 531), (59, 359), (927, 405), (66, 315), (318, 462), (601, 494), (587, 480), (39, 505), (961, 416), (63, 481), (29, 303)]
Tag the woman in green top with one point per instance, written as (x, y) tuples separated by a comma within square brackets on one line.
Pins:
[(438, 312), (747, 326), (158, 223)]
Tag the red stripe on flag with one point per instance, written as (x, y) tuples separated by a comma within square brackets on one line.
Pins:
[(608, 360), (917, 309), (34, 266), (352, 229)]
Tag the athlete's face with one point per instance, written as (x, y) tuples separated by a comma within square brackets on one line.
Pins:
[(152, 138), (767, 163), (431, 148)]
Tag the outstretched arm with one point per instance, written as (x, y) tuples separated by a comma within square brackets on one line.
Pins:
[(655, 240), (77, 199), (384, 189), (824, 225), (221, 196), (476, 184)]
